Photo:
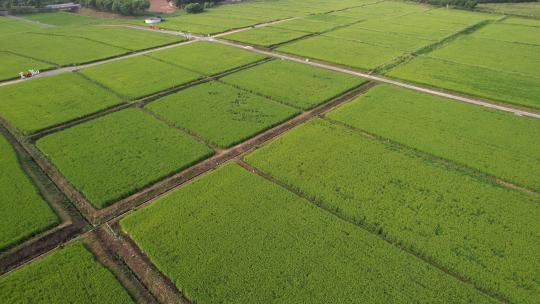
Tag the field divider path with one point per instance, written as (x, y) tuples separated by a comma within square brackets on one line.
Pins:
[(319, 205)]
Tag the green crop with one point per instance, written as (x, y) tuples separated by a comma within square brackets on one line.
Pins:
[(63, 18), (126, 38), (139, 76), (315, 23), (43, 102), (116, 155), (11, 65), (59, 50), (490, 141), (295, 84), (487, 53), (263, 244), (67, 275), (482, 82), (207, 58), (390, 40), (266, 36), (483, 232), (24, 212), (510, 33), (529, 9), (345, 52), (221, 114)]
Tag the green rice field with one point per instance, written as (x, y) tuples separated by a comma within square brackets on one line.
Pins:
[(200, 57), (219, 113), (277, 80), (283, 246), (266, 36), (444, 215), (24, 211), (490, 141), (123, 141), (133, 79), (44, 102), (67, 275), (270, 151)]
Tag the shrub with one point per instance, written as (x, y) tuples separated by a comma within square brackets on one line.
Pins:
[(194, 8)]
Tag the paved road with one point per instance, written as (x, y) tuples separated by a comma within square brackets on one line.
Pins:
[(328, 66)]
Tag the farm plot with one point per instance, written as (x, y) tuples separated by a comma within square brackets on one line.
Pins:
[(345, 52), (394, 41), (490, 141), (139, 76), (316, 23), (59, 50), (500, 86), (18, 64), (44, 102), (63, 19), (125, 38), (116, 155), (266, 36), (24, 212), (11, 26), (529, 9), (267, 245), (469, 226), (381, 10), (295, 84), (487, 53), (68, 275), (219, 113), (207, 23), (522, 21), (510, 33), (201, 57)]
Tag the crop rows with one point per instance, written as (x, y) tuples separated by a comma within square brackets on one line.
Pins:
[(24, 212), (67, 275), (267, 245), (516, 79), (480, 231)]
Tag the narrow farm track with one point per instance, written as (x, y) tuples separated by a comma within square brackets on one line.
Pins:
[(271, 179)]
